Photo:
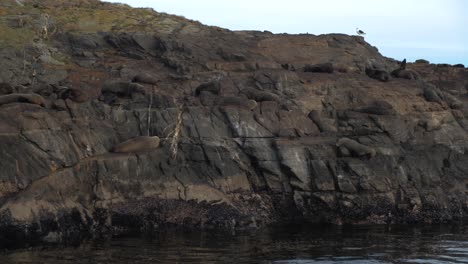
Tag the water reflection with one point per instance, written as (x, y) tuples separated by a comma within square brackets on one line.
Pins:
[(297, 244)]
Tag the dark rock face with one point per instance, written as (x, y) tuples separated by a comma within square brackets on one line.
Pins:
[(256, 142)]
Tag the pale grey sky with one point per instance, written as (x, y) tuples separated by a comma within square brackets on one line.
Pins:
[(436, 30)]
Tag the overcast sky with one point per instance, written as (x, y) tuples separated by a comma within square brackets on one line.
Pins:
[(436, 30)]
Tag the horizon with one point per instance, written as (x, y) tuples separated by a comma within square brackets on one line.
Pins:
[(433, 30)]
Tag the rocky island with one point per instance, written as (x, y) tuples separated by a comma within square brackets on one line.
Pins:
[(114, 118)]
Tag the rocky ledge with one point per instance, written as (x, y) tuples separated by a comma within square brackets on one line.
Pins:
[(113, 118)]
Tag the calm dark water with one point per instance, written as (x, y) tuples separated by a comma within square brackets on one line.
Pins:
[(297, 244)]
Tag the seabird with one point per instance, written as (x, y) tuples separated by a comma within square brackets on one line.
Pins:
[(360, 32)]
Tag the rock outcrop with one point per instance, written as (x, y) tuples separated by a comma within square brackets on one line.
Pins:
[(256, 141)]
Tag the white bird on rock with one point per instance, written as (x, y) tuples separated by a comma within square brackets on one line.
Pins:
[(360, 32)]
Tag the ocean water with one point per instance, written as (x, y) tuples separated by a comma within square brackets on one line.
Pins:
[(279, 245)]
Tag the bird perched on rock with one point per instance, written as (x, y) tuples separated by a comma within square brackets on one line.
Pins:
[(360, 32)]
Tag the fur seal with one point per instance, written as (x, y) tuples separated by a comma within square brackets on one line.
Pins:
[(380, 75), (76, 95), (22, 98), (288, 67), (6, 88), (322, 67), (452, 101), (403, 73), (137, 144), (324, 124), (260, 96), (122, 88), (352, 147), (44, 90), (430, 124), (431, 94), (378, 107), (212, 87), (145, 78), (207, 98), (236, 101)]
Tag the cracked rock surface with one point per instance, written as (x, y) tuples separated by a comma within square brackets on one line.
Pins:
[(257, 129)]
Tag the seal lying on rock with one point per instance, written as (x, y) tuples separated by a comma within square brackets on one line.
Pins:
[(22, 98), (76, 95), (6, 88), (403, 73), (352, 147), (122, 88), (324, 124), (431, 94), (322, 67), (452, 101), (212, 87), (145, 78), (137, 144), (380, 75), (260, 96), (236, 101), (378, 107)]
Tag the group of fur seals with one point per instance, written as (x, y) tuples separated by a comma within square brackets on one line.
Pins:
[(113, 90), (384, 76), (138, 144), (209, 91), (36, 94), (322, 67), (349, 147), (22, 98)]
